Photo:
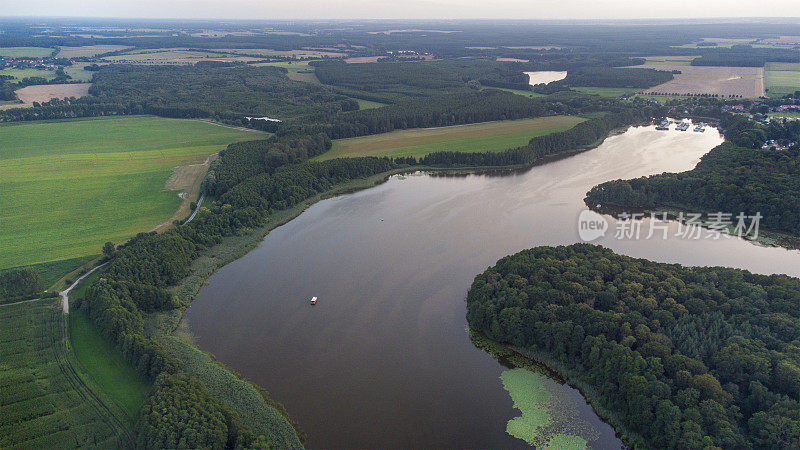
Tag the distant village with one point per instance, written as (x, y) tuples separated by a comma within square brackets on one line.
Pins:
[(29, 63)]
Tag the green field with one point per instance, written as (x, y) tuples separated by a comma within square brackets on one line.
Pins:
[(480, 137), (788, 114), (69, 186), (781, 81), (606, 92), (669, 60), (368, 104), (21, 52), (292, 66), (77, 73), (52, 271), (19, 74), (44, 400), (529, 94), (106, 366)]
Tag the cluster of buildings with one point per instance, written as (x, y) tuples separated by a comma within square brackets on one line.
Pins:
[(27, 63), (772, 143)]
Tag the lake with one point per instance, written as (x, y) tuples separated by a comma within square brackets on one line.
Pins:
[(544, 77), (384, 359)]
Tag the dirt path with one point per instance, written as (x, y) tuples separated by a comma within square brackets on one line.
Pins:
[(65, 293), (197, 208), (232, 127), (187, 180)]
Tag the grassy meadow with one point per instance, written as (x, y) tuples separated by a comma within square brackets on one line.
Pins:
[(77, 72), (19, 74), (69, 186), (106, 366), (368, 104), (529, 94), (606, 92), (787, 114), (479, 137), (782, 78), (23, 52)]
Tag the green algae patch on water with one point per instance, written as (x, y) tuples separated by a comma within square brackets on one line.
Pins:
[(530, 397), (566, 442)]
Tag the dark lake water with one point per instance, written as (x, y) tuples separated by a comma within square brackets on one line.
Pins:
[(383, 359)]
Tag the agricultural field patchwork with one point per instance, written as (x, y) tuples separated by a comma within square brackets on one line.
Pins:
[(300, 53), (100, 180), (175, 56), (43, 399), (747, 82), (45, 92), (88, 50), (480, 137)]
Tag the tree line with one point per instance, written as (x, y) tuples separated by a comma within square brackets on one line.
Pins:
[(610, 77), (729, 179), (683, 357), (745, 56), (435, 111), (180, 411), (227, 94), (392, 81), (580, 136), (243, 160)]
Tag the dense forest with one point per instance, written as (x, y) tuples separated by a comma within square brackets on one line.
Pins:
[(181, 413), (728, 179), (496, 37), (243, 160), (437, 111), (612, 77), (745, 56), (205, 90), (682, 357), (392, 81), (7, 88), (224, 93)]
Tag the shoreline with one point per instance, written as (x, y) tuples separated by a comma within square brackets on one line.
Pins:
[(507, 354), (766, 237), (172, 331)]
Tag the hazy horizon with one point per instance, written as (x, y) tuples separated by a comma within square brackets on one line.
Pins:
[(410, 10)]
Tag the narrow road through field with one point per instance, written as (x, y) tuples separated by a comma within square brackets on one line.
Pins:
[(196, 208), (65, 293)]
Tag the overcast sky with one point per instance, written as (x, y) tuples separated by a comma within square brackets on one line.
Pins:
[(402, 9)]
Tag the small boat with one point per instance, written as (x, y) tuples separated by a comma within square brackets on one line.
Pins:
[(313, 300)]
